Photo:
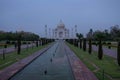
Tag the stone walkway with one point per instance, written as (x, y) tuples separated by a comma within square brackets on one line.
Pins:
[(81, 72), (6, 73)]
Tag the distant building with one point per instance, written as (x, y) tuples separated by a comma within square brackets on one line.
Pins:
[(60, 32)]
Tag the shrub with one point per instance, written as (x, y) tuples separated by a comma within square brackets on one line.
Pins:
[(109, 45), (7, 42), (24, 42), (28, 42), (104, 43), (13, 42)]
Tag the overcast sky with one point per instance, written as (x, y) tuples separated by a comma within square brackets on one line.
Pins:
[(33, 15)]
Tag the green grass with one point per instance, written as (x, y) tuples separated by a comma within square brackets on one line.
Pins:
[(108, 64), (14, 57)]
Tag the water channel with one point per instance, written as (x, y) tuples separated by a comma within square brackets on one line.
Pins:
[(51, 65)]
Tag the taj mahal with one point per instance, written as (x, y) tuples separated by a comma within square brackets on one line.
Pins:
[(61, 32)]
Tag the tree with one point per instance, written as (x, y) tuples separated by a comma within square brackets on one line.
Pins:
[(118, 53), (36, 43), (99, 35), (90, 34), (79, 35), (84, 44), (28, 36), (100, 51), (80, 43), (90, 46), (19, 43), (115, 32)]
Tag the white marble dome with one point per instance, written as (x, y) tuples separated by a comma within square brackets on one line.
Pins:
[(61, 25)]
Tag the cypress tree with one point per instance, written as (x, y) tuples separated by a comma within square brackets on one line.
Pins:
[(19, 46), (90, 46), (80, 43), (100, 51), (5, 46), (36, 43), (84, 44), (77, 43), (118, 53), (74, 42), (19, 43)]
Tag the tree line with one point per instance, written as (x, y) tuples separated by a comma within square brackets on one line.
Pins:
[(25, 36), (112, 35)]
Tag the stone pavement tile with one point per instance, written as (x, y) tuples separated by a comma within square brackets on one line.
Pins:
[(11, 70), (80, 71)]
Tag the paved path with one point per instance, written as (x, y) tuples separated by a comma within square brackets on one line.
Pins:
[(109, 52), (57, 63), (81, 72), (11, 49)]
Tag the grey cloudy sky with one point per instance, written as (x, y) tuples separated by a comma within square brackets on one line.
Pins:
[(33, 15)]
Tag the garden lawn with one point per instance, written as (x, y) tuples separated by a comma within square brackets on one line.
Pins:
[(14, 57), (108, 65)]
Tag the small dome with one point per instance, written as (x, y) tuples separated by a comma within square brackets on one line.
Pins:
[(61, 25)]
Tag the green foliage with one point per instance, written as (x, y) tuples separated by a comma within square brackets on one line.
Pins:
[(79, 35), (13, 36), (113, 34), (99, 35)]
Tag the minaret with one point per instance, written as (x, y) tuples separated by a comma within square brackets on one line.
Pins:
[(68, 34), (49, 33), (53, 33), (72, 33), (46, 31), (75, 30)]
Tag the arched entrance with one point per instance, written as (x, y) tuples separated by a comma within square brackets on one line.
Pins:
[(60, 35)]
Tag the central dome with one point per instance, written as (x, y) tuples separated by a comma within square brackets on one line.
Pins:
[(61, 25)]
